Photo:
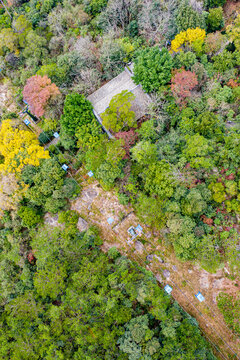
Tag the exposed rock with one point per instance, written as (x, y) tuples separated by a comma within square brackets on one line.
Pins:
[(82, 225), (159, 259), (139, 246), (214, 297), (52, 220), (166, 273), (89, 195), (219, 283), (149, 257), (159, 278), (204, 280), (148, 235)]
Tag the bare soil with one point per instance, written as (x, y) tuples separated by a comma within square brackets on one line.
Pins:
[(96, 205), (231, 9), (6, 99)]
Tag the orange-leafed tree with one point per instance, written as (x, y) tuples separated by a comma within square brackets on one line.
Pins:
[(182, 84), (38, 91)]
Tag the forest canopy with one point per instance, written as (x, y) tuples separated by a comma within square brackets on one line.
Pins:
[(177, 167)]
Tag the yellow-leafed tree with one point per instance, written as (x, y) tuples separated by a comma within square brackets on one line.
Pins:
[(19, 148), (188, 37)]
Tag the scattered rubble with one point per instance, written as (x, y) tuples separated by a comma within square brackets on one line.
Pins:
[(166, 274), (82, 224)]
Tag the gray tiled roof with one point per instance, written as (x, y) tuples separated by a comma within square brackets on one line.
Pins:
[(102, 97)]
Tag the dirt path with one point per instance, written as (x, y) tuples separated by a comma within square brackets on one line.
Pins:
[(96, 206)]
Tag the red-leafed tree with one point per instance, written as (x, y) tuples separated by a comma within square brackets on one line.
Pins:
[(37, 92), (129, 138), (182, 84)]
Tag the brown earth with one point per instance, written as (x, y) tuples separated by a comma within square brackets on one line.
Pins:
[(96, 205), (231, 9), (6, 98)]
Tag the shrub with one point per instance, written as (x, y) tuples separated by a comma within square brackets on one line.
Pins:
[(123, 199), (44, 137), (230, 308), (69, 217)]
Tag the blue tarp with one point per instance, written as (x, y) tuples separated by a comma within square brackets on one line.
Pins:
[(168, 289), (139, 228), (110, 220), (64, 167), (56, 135), (26, 121), (90, 173), (200, 297)]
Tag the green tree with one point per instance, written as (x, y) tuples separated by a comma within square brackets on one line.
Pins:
[(8, 41), (185, 246), (231, 150), (185, 59), (188, 18), (159, 180), (77, 111), (138, 340), (22, 27), (206, 124), (47, 188), (30, 217), (119, 114), (108, 173), (35, 49), (233, 32), (55, 73), (194, 203), (214, 3), (215, 20), (218, 191), (144, 153), (89, 135), (49, 281), (198, 151), (152, 68), (149, 210), (224, 61)]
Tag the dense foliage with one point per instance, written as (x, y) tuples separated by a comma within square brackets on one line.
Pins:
[(68, 300), (178, 166), (152, 68)]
